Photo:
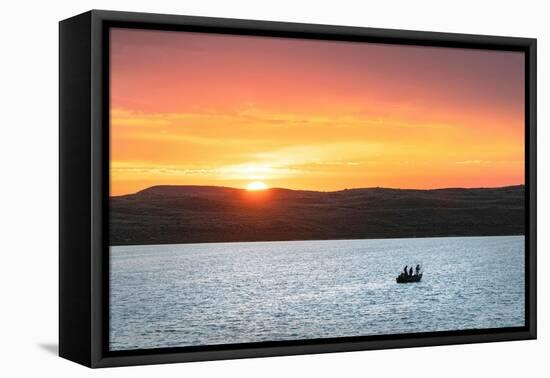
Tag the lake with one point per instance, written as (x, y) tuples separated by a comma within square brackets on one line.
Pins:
[(223, 293)]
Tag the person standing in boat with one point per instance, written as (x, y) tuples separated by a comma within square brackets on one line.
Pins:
[(417, 269), (405, 270), (411, 271)]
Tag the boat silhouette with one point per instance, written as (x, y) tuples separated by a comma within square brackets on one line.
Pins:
[(406, 278)]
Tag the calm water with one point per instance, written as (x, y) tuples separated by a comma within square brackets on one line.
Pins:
[(219, 293)]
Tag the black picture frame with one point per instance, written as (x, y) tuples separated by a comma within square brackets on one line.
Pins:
[(84, 187)]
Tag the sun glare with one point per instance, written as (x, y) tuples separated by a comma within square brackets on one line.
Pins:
[(256, 185)]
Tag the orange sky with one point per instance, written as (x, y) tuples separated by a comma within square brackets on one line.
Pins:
[(207, 109)]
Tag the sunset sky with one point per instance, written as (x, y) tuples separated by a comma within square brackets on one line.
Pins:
[(207, 109)]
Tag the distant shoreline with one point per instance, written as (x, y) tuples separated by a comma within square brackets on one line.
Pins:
[(199, 214), (310, 240)]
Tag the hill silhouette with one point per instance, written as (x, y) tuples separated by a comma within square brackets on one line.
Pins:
[(195, 214)]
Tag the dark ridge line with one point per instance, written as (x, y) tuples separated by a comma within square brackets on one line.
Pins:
[(214, 187)]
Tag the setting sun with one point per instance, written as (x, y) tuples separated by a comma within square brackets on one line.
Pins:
[(256, 185)]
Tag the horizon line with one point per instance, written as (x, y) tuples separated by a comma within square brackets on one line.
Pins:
[(317, 191)]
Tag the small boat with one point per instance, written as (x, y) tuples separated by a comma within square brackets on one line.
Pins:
[(402, 278)]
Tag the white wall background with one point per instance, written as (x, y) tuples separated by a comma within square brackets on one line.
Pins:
[(28, 190)]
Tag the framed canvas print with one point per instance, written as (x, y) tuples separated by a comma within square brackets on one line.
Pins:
[(234, 188)]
